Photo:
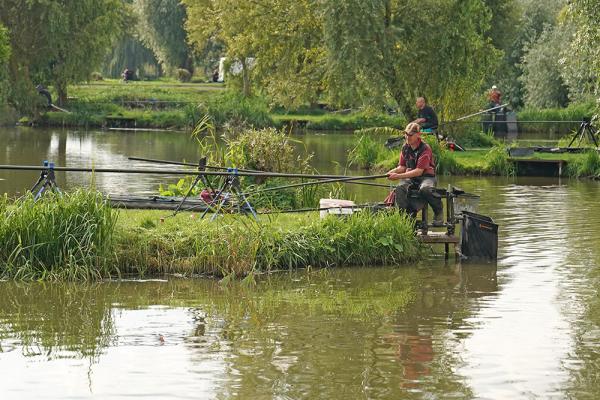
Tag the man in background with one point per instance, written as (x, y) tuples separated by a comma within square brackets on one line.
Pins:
[(426, 117)]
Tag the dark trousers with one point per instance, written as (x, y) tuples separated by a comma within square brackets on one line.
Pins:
[(426, 187)]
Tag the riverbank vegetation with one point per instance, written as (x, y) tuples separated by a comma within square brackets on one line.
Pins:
[(546, 61), (77, 236)]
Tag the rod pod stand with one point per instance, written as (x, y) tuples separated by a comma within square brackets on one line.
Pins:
[(201, 177), (231, 183), (46, 181), (586, 127)]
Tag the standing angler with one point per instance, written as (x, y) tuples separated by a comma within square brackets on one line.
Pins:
[(417, 168)]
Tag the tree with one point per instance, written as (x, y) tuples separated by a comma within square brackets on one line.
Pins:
[(586, 14), (4, 56), (515, 26), (227, 21), (383, 48), (58, 41), (542, 80), (161, 29)]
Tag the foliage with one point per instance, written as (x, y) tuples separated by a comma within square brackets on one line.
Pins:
[(96, 76), (587, 14), (160, 28), (236, 246), (265, 150), (587, 166), (183, 75), (129, 52), (365, 152), (542, 79), (235, 110), (57, 237), (497, 162), (371, 44), (526, 19), (4, 57), (59, 42)]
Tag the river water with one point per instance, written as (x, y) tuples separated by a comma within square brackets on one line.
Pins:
[(526, 327)]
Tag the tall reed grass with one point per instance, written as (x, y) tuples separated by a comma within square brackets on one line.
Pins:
[(587, 166), (66, 237)]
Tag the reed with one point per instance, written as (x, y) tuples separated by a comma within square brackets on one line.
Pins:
[(497, 162), (587, 166), (66, 237)]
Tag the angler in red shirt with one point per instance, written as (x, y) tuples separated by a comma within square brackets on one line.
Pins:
[(417, 168)]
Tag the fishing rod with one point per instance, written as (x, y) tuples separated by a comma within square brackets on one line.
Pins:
[(152, 160), (478, 113), (341, 180), (245, 170), (229, 172)]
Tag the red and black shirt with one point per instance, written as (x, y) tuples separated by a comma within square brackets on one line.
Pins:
[(421, 157)]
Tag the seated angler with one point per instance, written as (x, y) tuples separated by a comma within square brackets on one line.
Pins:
[(416, 168), (426, 116)]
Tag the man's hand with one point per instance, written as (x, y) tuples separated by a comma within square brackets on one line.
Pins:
[(393, 176)]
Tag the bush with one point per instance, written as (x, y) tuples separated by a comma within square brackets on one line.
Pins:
[(183, 75), (497, 162), (265, 150), (587, 166), (236, 110), (96, 76)]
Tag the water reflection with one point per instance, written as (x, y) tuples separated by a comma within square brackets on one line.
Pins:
[(332, 334)]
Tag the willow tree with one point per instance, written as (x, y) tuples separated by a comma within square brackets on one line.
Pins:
[(161, 29), (587, 16), (385, 49), (4, 56), (58, 42), (284, 36)]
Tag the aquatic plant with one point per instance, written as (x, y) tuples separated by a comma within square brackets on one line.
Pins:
[(587, 166), (365, 152), (58, 237), (497, 162)]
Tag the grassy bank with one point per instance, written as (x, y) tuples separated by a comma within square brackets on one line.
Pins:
[(173, 105), (79, 237)]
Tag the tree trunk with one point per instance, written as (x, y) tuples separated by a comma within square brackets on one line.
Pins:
[(61, 91)]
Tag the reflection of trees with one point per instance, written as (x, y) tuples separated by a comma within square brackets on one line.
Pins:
[(341, 334), (581, 287), (50, 318)]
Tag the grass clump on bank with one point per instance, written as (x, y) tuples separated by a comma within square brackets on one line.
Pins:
[(587, 166), (236, 246), (66, 237), (78, 237)]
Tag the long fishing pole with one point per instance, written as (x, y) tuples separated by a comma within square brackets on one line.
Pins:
[(346, 179), (223, 168), (183, 172), (478, 113), (152, 160)]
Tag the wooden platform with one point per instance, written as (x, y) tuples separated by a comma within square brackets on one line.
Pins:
[(536, 167), (441, 238)]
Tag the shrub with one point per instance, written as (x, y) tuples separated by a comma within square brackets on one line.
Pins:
[(96, 76), (183, 75), (587, 166), (497, 162)]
